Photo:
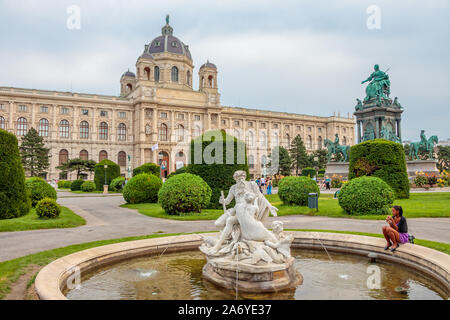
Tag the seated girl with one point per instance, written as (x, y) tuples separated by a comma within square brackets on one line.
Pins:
[(397, 230)]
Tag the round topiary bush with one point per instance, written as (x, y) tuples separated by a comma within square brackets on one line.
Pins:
[(88, 186), (311, 172), (112, 172), (76, 185), (63, 183), (366, 195), (117, 184), (295, 190), (149, 168), (39, 189), (142, 188), (383, 159), (14, 196), (48, 208), (183, 193)]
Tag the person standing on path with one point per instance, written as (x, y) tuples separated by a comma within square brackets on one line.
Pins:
[(269, 186)]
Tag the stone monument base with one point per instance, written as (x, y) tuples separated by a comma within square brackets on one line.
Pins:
[(425, 166), (337, 168), (252, 278)]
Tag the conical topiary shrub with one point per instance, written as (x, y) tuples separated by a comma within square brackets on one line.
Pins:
[(14, 197)]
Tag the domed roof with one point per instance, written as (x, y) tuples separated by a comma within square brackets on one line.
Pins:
[(129, 74), (166, 42), (208, 65)]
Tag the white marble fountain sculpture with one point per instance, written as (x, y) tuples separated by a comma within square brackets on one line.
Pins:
[(246, 255)]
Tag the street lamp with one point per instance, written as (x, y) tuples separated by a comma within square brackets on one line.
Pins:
[(105, 186), (160, 158)]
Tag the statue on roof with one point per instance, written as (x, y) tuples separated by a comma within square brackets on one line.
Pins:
[(167, 19), (379, 86)]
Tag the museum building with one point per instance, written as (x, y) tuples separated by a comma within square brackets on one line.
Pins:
[(156, 115)]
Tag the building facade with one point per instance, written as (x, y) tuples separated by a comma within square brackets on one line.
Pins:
[(156, 115)]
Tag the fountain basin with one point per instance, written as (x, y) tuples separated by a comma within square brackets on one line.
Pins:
[(52, 279)]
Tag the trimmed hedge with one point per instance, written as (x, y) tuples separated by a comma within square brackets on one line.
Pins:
[(179, 171), (366, 195), (76, 185), (142, 188), (64, 184), (294, 190), (311, 172), (112, 172), (117, 184), (39, 189), (184, 193), (217, 174), (14, 196), (48, 208), (88, 186), (150, 168), (383, 159)]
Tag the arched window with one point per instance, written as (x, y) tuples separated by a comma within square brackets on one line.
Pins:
[(210, 81), (180, 133), (84, 155), (276, 141), (250, 139), (103, 131), (147, 73), (84, 130), (163, 132), (236, 133), (2, 123), (344, 141), (263, 140), (309, 143), (156, 73), (122, 159), (122, 132), (263, 161), (251, 161), (63, 156), (43, 127), (287, 140), (319, 142), (22, 126), (103, 155), (197, 131), (129, 87), (64, 129), (174, 74), (188, 78)]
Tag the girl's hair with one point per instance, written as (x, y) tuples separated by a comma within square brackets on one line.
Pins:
[(399, 209)]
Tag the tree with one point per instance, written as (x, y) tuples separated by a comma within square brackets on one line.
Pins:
[(78, 165), (35, 156), (443, 155), (321, 155), (14, 196), (298, 154), (284, 161)]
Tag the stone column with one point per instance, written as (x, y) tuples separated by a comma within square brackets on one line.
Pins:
[(359, 131), (54, 126), (377, 127), (114, 126), (399, 129), (155, 125), (11, 113), (142, 124), (189, 127), (172, 135), (33, 115)]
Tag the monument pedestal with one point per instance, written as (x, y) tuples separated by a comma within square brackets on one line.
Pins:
[(252, 278), (337, 168), (425, 166)]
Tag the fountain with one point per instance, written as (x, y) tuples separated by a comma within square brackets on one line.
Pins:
[(246, 256)]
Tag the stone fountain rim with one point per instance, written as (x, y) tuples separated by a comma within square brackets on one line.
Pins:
[(50, 282)]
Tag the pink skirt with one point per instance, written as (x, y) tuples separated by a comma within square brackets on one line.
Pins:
[(404, 237)]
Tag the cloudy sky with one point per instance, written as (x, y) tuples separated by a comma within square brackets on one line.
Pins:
[(297, 56)]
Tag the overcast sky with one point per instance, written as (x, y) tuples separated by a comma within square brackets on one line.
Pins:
[(296, 56)]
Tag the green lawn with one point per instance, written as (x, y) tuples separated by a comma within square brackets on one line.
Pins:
[(10, 271), (418, 205), (67, 219)]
